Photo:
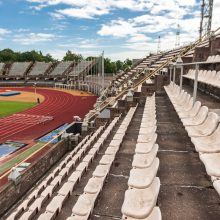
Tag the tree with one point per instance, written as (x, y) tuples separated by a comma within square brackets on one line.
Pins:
[(119, 65), (69, 56), (8, 55)]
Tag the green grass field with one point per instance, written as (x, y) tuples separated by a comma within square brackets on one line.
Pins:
[(9, 107)]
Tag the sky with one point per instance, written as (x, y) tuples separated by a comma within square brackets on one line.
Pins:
[(121, 28)]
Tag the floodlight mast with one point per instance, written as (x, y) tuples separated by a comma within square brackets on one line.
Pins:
[(206, 17)]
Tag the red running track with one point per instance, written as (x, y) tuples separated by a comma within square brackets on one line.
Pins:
[(35, 122)]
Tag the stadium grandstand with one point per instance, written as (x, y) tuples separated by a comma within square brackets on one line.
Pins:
[(141, 145)]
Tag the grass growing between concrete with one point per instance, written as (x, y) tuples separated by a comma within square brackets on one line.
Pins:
[(19, 158), (9, 107)]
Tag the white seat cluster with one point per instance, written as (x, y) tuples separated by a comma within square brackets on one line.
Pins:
[(141, 197), (82, 152), (214, 59), (85, 203), (202, 127), (209, 77)]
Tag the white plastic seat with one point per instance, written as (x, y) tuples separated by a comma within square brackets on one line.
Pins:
[(88, 158), (94, 185), (208, 144), (148, 124), (56, 181), (115, 143), (75, 176), (97, 145), (193, 112), (197, 119), (84, 204), (66, 189), (46, 216), (37, 204), (149, 130), (28, 215), (64, 172), (206, 128), (82, 166), (154, 215), (118, 136), (145, 160), (107, 159), (139, 203), (111, 151), (55, 204), (48, 191), (185, 108), (142, 178), (146, 138), (212, 163), (145, 147), (101, 171)]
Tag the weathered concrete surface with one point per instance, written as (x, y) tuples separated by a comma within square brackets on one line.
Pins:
[(186, 190)]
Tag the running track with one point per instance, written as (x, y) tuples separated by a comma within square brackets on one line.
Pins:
[(57, 108)]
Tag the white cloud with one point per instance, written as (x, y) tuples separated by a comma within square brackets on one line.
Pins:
[(4, 31), (33, 38), (117, 28), (88, 9)]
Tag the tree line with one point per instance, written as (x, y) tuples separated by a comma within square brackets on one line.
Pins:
[(8, 56)]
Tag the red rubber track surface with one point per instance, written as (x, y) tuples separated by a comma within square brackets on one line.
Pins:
[(60, 105)]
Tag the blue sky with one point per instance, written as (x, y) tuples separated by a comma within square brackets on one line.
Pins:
[(122, 28)]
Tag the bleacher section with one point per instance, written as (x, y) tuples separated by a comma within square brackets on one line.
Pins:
[(19, 69), (61, 68), (81, 67), (39, 69)]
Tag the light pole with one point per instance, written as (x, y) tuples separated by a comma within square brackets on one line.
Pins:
[(35, 91)]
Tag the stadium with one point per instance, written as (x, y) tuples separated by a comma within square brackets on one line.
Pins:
[(88, 138)]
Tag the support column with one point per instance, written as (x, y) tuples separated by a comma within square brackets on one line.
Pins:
[(174, 74), (195, 84), (181, 78)]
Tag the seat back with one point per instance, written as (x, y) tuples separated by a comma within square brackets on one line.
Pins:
[(208, 74), (202, 114), (216, 134), (210, 124), (195, 108), (212, 75), (189, 104)]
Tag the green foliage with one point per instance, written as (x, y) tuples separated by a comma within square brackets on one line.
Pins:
[(69, 56), (9, 108), (8, 55)]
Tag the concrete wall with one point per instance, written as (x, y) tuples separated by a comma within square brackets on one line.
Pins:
[(11, 194)]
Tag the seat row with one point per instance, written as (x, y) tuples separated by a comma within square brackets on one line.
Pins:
[(203, 128), (86, 201), (45, 189), (210, 77), (55, 205), (143, 185), (214, 59)]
